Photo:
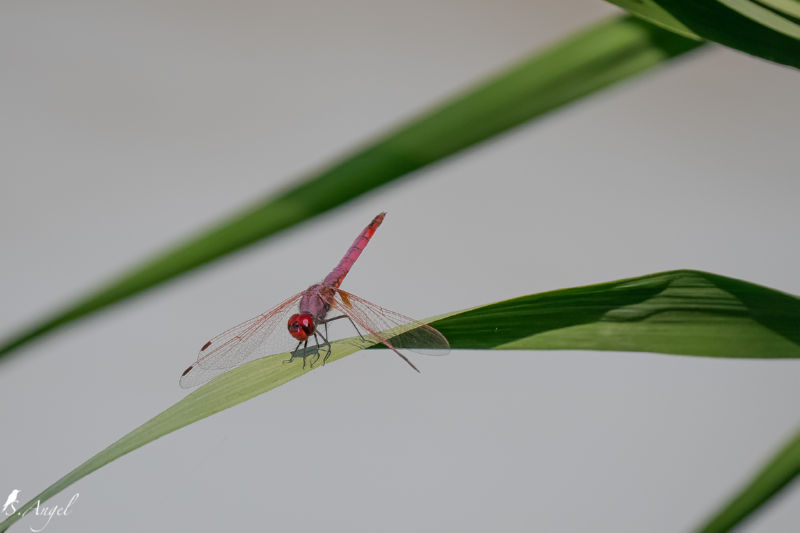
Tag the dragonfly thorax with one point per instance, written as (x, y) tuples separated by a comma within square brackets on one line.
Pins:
[(316, 301), (301, 326)]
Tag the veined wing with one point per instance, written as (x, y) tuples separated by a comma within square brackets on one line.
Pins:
[(257, 337), (396, 331)]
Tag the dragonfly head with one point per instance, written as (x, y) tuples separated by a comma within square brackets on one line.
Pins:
[(301, 325)]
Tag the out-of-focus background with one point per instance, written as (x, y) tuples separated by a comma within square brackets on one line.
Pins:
[(126, 126)]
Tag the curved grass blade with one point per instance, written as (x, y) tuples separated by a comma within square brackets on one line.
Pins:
[(679, 312), (234, 387), (790, 8), (653, 12), (773, 477), (768, 29), (577, 66)]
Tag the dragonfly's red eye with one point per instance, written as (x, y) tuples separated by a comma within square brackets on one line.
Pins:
[(301, 326)]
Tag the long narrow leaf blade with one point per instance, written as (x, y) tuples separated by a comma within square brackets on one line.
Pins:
[(679, 312), (774, 476), (769, 28), (788, 7), (581, 64), (652, 11)]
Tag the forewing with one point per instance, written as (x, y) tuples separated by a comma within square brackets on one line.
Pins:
[(396, 331), (264, 334)]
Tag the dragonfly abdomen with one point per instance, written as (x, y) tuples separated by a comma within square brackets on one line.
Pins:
[(335, 278)]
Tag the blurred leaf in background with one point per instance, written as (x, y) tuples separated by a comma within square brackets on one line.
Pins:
[(581, 64), (769, 29), (776, 474)]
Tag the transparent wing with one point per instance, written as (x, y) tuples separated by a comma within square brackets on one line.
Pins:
[(396, 331), (264, 334)]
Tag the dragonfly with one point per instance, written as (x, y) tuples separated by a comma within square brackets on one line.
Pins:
[(307, 315)]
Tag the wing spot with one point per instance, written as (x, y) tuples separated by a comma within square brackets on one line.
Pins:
[(187, 370), (206, 345)]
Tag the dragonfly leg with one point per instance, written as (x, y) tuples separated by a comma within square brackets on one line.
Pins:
[(306, 355), (320, 345), (296, 349), (314, 362), (328, 344), (337, 318)]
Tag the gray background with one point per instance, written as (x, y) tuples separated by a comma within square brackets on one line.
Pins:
[(125, 126)]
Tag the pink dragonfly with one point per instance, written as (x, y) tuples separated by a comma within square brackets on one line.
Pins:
[(306, 316)]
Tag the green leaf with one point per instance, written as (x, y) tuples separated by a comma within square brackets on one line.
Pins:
[(788, 7), (651, 11), (774, 476), (679, 312), (575, 67), (769, 29)]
